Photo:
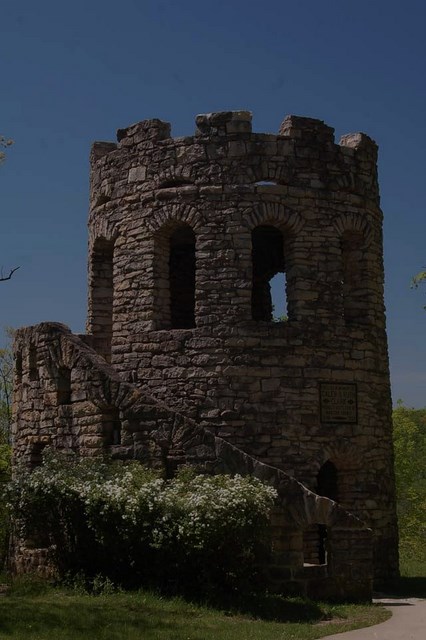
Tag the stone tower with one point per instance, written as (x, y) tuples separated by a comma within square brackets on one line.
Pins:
[(185, 235)]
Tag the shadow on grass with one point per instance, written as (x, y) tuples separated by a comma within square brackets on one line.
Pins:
[(279, 608), (263, 606), (408, 587)]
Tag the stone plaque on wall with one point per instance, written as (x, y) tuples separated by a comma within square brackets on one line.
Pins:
[(338, 402)]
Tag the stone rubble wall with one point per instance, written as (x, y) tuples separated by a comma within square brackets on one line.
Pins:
[(159, 436)]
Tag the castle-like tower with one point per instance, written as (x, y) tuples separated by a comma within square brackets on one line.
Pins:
[(185, 235)]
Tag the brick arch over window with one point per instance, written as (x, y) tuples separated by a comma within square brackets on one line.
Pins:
[(174, 276), (101, 295), (174, 214), (275, 214)]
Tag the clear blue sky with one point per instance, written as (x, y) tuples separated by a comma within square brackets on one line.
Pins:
[(74, 72)]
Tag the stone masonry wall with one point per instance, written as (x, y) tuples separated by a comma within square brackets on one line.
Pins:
[(185, 234), (80, 412)]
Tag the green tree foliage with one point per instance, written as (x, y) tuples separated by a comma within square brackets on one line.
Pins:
[(410, 470), (4, 516), (6, 383)]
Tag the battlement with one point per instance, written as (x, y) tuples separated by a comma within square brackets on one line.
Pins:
[(224, 151)]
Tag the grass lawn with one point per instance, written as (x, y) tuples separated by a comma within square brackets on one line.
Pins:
[(57, 614), (413, 576)]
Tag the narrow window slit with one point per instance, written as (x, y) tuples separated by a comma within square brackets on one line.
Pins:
[(32, 363), (315, 539), (355, 295), (64, 386), (36, 455), (18, 367), (182, 278)]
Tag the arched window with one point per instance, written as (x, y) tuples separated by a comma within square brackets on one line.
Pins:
[(111, 427), (182, 278), (101, 296), (18, 367), (355, 292), (36, 455), (315, 538), (327, 481), (268, 260), (32, 363), (175, 277)]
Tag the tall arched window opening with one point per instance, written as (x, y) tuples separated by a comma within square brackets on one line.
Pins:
[(32, 363), (63, 385), (174, 277), (111, 427), (182, 278), (36, 455), (315, 538), (18, 367), (101, 296), (268, 260), (354, 278)]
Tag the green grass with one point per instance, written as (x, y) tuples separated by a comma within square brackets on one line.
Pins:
[(412, 582), (37, 612)]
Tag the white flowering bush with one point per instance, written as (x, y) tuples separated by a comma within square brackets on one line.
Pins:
[(121, 520)]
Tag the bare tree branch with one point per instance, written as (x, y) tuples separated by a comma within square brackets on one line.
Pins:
[(12, 271)]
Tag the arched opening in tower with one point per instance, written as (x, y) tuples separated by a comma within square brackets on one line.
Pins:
[(182, 278), (315, 538), (63, 385), (111, 427), (326, 486), (354, 278), (268, 288), (32, 363)]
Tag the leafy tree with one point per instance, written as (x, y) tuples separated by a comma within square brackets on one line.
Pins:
[(5, 454), (410, 470), (6, 380), (6, 383)]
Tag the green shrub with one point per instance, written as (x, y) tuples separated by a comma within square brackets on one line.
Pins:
[(5, 453), (124, 522), (409, 427)]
